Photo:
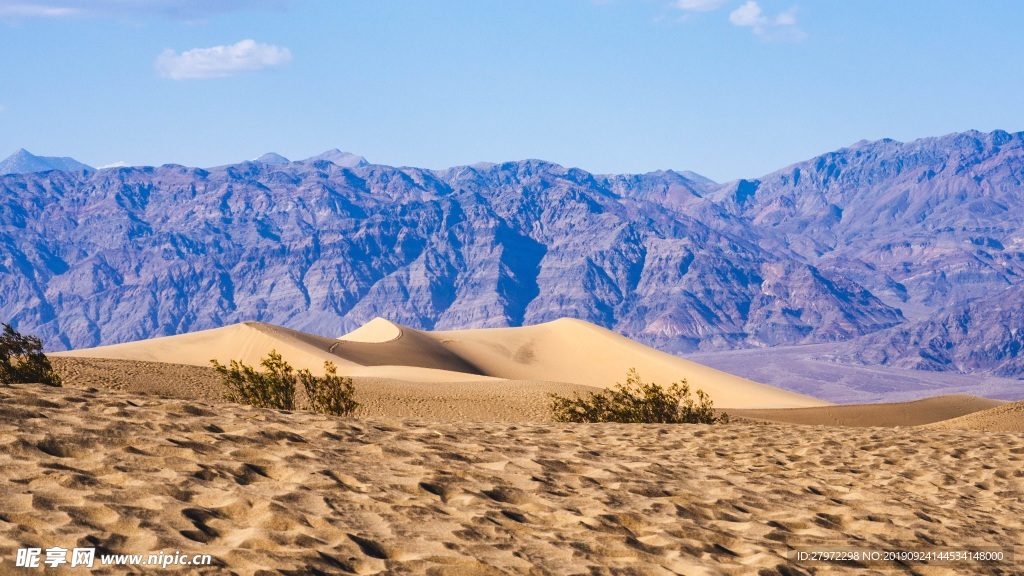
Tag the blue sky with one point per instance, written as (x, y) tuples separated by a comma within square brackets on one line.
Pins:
[(726, 88)]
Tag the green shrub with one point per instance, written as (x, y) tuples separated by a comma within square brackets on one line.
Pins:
[(275, 386), (331, 394), (22, 360), (272, 388), (638, 402)]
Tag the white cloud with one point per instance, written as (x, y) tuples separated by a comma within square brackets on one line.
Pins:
[(787, 18), (118, 164), (781, 27), (699, 5), (32, 10), (220, 61), (177, 9), (747, 15)]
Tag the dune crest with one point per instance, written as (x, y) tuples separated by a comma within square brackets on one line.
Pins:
[(375, 331), (565, 351)]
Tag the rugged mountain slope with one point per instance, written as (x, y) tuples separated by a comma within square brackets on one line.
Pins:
[(924, 224), (982, 335), (24, 162), (934, 227), (139, 252)]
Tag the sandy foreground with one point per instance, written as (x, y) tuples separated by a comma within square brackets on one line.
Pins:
[(268, 492), (452, 465)]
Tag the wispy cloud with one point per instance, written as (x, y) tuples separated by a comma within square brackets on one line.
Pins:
[(781, 27), (118, 164), (699, 5), (220, 61), (32, 10), (176, 9)]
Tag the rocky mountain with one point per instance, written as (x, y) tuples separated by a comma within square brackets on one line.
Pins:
[(339, 158), (933, 227), (981, 335), (24, 162), (272, 159), (883, 246), (137, 252)]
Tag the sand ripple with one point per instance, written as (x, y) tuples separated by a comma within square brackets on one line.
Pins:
[(269, 492)]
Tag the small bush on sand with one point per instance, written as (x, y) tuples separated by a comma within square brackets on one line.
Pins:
[(275, 386), (638, 402), (272, 388), (331, 394), (22, 360)]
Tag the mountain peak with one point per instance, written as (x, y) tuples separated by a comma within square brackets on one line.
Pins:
[(25, 162), (339, 158), (272, 159)]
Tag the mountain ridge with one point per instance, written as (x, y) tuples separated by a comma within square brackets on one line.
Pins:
[(842, 247), (24, 162)]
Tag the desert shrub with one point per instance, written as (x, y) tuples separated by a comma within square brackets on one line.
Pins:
[(275, 386), (22, 360), (331, 394), (272, 388), (638, 402)]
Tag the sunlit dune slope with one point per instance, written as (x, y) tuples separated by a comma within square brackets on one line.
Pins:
[(578, 352), (915, 413), (1005, 418), (247, 342)]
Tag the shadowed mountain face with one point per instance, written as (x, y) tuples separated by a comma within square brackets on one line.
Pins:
[(866, 245)]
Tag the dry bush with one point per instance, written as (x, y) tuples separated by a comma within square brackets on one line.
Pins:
[(22, 360), (272, 388), (638, 402), (275, 386), (331, 394)]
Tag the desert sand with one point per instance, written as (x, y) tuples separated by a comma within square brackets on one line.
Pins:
[(492, 400), (1004, 418), (888, 414), (565, 351), (452, 466), (269, 492)]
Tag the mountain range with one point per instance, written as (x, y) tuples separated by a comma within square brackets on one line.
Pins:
[(24, 162), (899, 254)]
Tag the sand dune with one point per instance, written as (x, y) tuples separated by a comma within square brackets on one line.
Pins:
[(1006, 418), (564, 351), (913, 413), (266, 492), (247, 342), (578, 352)]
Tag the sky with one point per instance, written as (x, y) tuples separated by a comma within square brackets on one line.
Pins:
[(725, 88)]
